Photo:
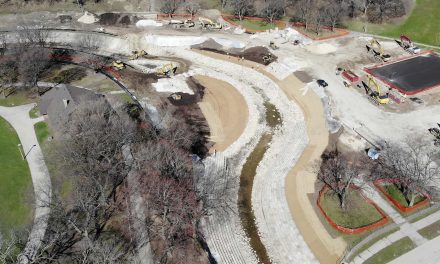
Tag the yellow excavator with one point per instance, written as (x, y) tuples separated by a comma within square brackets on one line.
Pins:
[(136, 54), (118, 65), (167, 70), (377, 50), (209, 24), (377, 95)]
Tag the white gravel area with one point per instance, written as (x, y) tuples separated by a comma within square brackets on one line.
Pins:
[(173, 85), (228, 43), (148, 23), (321, 48), (174, 41)]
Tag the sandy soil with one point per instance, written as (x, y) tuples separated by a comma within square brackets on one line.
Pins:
[(225, 110), (300, 182)]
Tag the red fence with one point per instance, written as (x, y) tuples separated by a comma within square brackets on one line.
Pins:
[(339, 32), (348, 230), (404, 209), (228, 18)]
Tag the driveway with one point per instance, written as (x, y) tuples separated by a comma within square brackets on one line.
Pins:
[(19, 118)]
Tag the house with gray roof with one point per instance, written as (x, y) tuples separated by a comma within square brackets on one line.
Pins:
[(57, 103)]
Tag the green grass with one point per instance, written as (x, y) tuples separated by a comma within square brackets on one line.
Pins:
[(430, 231), (254, 24), (34, 112), (373, 241), (42, 131), (391, 252), (15, 181), (358, 213), (397, 195), (423, 215), (423, 24), (17, 98)]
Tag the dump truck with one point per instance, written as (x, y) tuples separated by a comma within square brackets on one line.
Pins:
[(136, 54), (209, 24), (118, 65), (167, 70), (408, 45)]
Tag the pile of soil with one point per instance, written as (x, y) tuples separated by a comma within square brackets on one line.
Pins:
[(255, 54), (138, 81), (113, 19)]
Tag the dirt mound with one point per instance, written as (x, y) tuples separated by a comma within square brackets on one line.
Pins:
[(88, 18), (113, 19), (260, 55)]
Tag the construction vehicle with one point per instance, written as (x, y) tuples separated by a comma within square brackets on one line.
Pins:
[(136, 54), (436, 133), (376, 94), (377, 50), (118, 65), (273, 46), (268, 58), (209, 24), (408, 45), (176, 97), (167, 70)]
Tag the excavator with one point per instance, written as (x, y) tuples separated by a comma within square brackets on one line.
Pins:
[(377, 50), (209, 24), (436, 133), (273, 46), (408, 45), (167, 70), (118, 65), (376, 95), (136, 54)]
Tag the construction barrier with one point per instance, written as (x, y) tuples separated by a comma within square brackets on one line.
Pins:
[(352, 231), (404, 209), (228, 18), (174, 15), (339, 32)]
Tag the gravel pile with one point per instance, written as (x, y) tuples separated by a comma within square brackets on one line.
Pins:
[(88, 18)]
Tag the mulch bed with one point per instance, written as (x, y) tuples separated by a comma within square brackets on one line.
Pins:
[(113, 19)]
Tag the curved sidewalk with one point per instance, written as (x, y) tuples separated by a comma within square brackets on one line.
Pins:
[(19, 118)]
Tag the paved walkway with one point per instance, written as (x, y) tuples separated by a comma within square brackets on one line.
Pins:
[(427, 253), (406, 229), (19, 118)]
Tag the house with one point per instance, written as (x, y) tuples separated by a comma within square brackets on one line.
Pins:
[(57, 103)]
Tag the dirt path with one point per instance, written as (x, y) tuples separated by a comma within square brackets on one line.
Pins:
[(300, 182), (225, 110)]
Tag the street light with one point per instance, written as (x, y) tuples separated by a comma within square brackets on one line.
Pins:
[(21, 151), (34, 145)]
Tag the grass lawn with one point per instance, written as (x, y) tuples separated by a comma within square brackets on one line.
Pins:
[(391, 252), (358, 213), (15, 180), (17, 98), (423, 25), (42, 131), (397, 195), (34, 113), (312, 34), (254, 24), (430, 231)]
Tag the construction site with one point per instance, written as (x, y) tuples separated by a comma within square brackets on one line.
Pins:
[(274, 101)]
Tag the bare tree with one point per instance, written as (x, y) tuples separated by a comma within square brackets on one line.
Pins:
[(242, 7), (319, 18), (411, 167), (306, 9), (31, 64), (273, 10), (192, 7), (338, 171), (169, 7), (334, 12)]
